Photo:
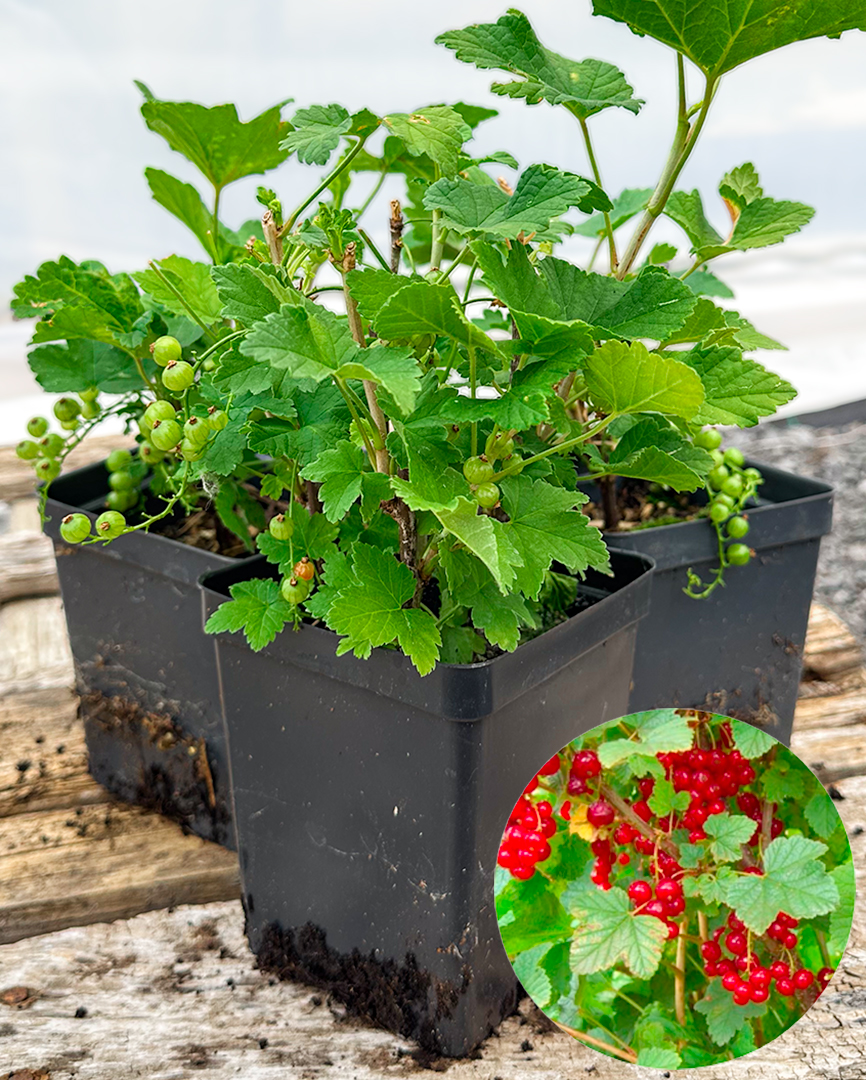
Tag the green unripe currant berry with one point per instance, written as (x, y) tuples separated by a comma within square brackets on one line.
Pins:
[(734, 457), (121, 500), (754, 475), (149, 454), (117, 460), (47, 469), (110, 525), (737, 528), (178, 376), (190, 451), (37, 426), (196, 431), (51, 445), (166, 434), (74, 528), (166, 349), (281, 527), (121, 481), (90, 410), (478, 470), (733, 486), (217, 418), (498, 446), (208, 364), (718, 476), (718, 457), (158, 410), (295, 590), (718, 512), (70, 425), (487, 495), (738, 554), (27, 450), (709, 439), (66, 408), (91, 393), (724, 500)]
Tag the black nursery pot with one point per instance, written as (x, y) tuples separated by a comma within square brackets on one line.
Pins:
[(739, 651), (145, 671), (370, 802)]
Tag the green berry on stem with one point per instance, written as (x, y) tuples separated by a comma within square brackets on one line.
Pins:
[(121, 500), (51, 445), (718, 512), (149, 454), (500, 445), (27, 450), (90, 393), (753, 475), (178, 376), (121, 480), (158, 410), (733, 486), (166, 434), (196, 431), (191, 451), (90, 410), (734, 457), (478, 470), (74, 528), (217, 418), (281, 527), (295, 590), (709, 439), (66, 408), (718, 457), (47, 469), (37, 426), (718, 476), (110, 525), (165, 349), (487, 496), (737, 528), (70, 425), (738, 554), (117, 460)]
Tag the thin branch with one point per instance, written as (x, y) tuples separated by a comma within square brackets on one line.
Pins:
[(608, 227), (625, 1055), (680, 977), (397, 225), (273, 238), (626, 812)]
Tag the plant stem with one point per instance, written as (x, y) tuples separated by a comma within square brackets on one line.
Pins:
[(608, 227), (215, 234), (685, 138), (473, 389), (626, 812), (396, 223), (559, 447), (329, 179), (625, 1055), (680, 977), (377, 254), (703, 926), (376, 189), (821, 938), (607, 485), (273, 238)]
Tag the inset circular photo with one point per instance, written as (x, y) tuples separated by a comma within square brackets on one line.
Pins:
[(674, 888)]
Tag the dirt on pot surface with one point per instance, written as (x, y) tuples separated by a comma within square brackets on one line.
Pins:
[(145, 758), (643, 505), (386, 993)]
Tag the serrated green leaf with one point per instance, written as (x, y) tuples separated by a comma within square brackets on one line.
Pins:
[(257, 608), (249, 294), (371, 289), (785, 780), (83, 363), (370, 613), (668, 732), (704, 283), (750, 740), (533, 978), (421, 308), (739, 187), (626, 205), (656, 1057), (724, 1018), (394, 368), (184, 201), (323, 419), (437, 131), (730, 32), (628, 378), (191, 279), (686, 208), (316, 133), (313, 536), (514, 409), (737, 390), (510, 45), (763, 222), (530, 914), (653, 450), (664, 800), (821, 814), (343, 471), (794, 880), (307, 342), (842, 916), (713, 888), (485, 537), (728, 832), (607, 931)]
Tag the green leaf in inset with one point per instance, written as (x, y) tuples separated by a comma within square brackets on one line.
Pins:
[(664, 731), (737, 390), (421, 308), (656, 1057), (713, 888), (664, 800), (628, 378), (510, 45), (533, 978), (83, 363), (316, 133), (437, 131), (529, 914), (191, 279), (722, 36), (821, 814), (608, 931), (257, 608), (786, 779), (729, 832), (724, 1018), (751, 741), (626, 205), (842, 915), (795, 881), (370, 612), (543, 194)]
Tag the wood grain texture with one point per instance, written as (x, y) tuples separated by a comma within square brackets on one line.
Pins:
[(27, 566), (17, 479), (34, 647)]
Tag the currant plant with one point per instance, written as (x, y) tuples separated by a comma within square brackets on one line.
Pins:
[(674, 888)]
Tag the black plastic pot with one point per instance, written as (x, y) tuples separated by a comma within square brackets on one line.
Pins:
[(145, 671), (740, 650), (370, 802)]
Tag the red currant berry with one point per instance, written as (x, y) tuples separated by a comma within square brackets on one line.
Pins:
[(623, 858), (716, 807), (586, 764), (785, 987), (639, 892), (760, 976), (710, 951), (711, 969), (642, 810), (682, 779), (745, 775), (577, 785), (726, 967), (790, 941), (523, 872), (777, 828), (735, 943), (673, 930), (731, 980), (550, 767), (624, 833), (776, 931), (646, 786), (779, 969), (696, 835), (758, 994), (544, 808), (734, 923), (667, 889), (644, 845), (825, 975), (742, 996), (656, 908), (675, 906), (600, 813), (803, 979), (565, 811)]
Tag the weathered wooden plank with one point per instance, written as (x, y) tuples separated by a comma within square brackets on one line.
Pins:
[(99, 863), (17, 479), (34, 648), (27, 566), (833, 753), (831, 712), (831, 652)]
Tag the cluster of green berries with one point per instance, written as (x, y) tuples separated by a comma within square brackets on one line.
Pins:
[(76, 528), (480, 471), (732, 485), (43, 447)]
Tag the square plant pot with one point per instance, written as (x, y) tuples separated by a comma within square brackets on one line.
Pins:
[(740, 651), (145, 671), (370, 802)]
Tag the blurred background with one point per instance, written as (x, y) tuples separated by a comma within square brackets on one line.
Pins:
[(75, 146)]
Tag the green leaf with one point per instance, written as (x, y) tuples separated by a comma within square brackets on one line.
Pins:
[(371, 289), (664, 800), (724, 1018), (729, 832), (184, 201), (750, 740), (656, 1057), (317, 132), (83, 363), (370, 612), (730, 32), (395, 369), (486, 537), (628, 378), (530, 914), (626, 205), (607, 931), (737, 390), (842, 916), (666, 732), (257, 608), (822, 814), (515, 282), (513, 409), (248, 294), (652, 450), (542, 195), (191, 279), (794, 880), (533, 978), (713, 888), (739, 187), (307, 342), (545, 525), (785, 780), (510, 45), (314, 537), (763, 222), (216, 141), (471, 585), (323, 419), (437, 131), (343, 472), (704, 283), (686, 208), (421, 308), (713, 325)]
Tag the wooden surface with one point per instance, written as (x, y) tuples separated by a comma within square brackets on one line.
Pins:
[(173, 991)]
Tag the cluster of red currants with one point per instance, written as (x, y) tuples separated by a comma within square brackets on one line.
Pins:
[(525, 842), (666, 904)]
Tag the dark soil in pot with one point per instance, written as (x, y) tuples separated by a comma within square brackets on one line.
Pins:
[(370, 802), (133, 615)]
